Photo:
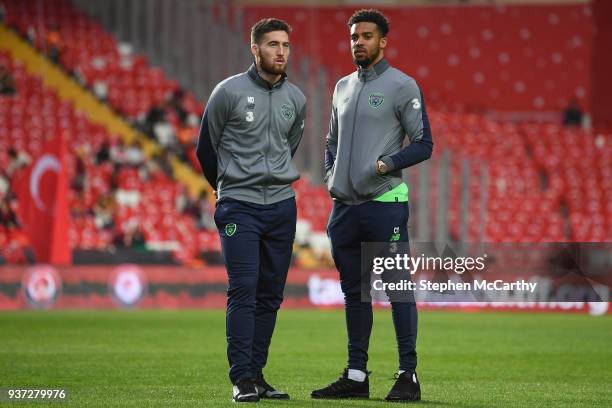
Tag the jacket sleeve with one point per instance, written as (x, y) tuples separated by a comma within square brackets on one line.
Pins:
[(331, 140), (412, 114), (297, 130), (215, 116)]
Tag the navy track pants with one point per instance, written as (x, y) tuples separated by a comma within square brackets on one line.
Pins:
[(257, 243), (349, 226)]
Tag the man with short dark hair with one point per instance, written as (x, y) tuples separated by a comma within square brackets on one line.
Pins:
[(373, 109), (250, 131)]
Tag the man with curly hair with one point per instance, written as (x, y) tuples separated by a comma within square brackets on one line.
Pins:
[(373, 109)]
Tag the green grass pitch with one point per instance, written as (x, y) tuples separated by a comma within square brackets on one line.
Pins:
[(177, 358)]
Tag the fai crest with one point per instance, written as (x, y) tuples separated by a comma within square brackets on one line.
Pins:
[(376, 100), (230, 229), (287, 111)]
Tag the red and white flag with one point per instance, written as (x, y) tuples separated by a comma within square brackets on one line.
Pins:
[(43, 204)]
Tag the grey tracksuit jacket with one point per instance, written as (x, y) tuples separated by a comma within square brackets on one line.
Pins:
[(372, 112), (249, 133)]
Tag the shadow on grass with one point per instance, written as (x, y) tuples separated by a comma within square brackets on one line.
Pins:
[(364, 403)]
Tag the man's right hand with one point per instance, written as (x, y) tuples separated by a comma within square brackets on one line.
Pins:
[(381, 168)]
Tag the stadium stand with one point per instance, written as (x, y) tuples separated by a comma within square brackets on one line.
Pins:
[(139, 193), (463, 56), (578, 167), (545, 183), (106, 67)]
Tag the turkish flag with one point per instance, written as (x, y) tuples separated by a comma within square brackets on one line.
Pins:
[(43, 204)]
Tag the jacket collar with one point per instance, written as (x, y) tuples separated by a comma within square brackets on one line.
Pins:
[(374, 72), (254, 75)]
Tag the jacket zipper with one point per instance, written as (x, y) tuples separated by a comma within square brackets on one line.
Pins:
[(265, 186), (353, 136)]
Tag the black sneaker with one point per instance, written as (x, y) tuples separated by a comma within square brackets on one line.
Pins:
[(344, 387), (406, 387), (244, 391), (265, 390)]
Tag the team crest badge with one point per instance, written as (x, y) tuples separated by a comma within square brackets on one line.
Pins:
[(376, 100), (287, 111), (230, 229)]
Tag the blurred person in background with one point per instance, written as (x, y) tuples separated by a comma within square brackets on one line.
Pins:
[(31, 34), (8, 218), (80, 170), (175, 103), (200, 209), (7, 82), (186, 137), (117, 153), (131, 238), (133, 154), (2, 13), (373, 109), (572, 116), (158, 124), (204, 212), (14, 243), (103, 153), (164, 163), (251, 128), (55, 44), (5, 184), (17, 161), (104, 211), (155, 115)]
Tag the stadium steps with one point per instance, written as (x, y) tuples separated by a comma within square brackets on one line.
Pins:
[(98, 112)]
